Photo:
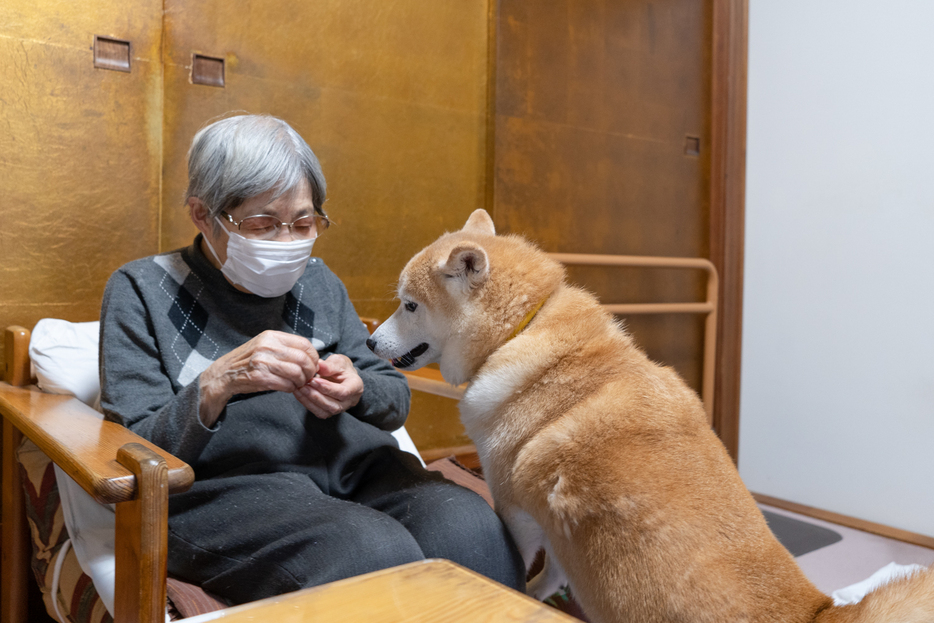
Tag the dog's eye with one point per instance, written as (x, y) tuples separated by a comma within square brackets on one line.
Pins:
[(410, 306)]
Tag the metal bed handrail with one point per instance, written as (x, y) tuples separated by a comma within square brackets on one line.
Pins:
[(708, 307)]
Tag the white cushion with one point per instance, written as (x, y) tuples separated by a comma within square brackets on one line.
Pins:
[(405, 443), (91, 526), (65, 358), (854, 593), (64, 355)]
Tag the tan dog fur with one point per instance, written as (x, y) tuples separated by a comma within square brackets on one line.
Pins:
[(599, 455)]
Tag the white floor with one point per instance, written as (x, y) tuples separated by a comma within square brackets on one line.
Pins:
[(855, 558)]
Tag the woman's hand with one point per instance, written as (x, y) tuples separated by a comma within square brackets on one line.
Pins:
[(272, 360), (336, 388)]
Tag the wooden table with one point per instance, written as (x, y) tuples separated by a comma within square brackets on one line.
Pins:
[(420, 592)]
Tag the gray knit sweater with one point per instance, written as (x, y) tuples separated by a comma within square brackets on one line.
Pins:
[(166, 318)]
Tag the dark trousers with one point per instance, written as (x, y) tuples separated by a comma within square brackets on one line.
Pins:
[(250, 536)]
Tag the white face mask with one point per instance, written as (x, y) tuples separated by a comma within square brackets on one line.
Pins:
[(267, 268)]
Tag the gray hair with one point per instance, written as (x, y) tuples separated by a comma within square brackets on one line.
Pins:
[(240, 157)]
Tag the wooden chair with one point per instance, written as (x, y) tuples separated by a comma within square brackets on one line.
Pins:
[(116, 466), (111, 463)]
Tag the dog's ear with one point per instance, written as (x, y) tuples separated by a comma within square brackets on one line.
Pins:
[(480, 223), (468, 263)]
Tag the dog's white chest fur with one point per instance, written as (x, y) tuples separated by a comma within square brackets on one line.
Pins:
[(488, 392)]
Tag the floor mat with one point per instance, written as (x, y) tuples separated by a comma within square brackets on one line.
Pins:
[(800, 537)]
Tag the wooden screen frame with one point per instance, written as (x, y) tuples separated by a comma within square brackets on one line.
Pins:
[(728, 204)]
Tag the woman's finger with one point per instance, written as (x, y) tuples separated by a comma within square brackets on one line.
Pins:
[(338, 379), (321, 406)]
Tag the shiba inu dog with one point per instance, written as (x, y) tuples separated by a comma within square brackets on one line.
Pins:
[(598, 455)]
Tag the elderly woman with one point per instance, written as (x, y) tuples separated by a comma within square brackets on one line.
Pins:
[(243, 356)]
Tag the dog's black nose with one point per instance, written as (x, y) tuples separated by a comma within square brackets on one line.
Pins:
[(371, 344)]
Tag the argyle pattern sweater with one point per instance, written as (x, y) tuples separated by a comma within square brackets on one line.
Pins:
[(166, 318)]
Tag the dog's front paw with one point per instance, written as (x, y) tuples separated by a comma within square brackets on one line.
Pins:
[(546, 583)]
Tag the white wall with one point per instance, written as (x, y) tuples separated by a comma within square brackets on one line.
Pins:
[(837, 406)]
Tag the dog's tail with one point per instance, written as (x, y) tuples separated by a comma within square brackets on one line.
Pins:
[(909, 599)]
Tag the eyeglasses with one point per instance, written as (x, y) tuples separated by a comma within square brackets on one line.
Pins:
[(265, 227)]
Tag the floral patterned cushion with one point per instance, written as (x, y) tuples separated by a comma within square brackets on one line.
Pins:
[(75, 600)]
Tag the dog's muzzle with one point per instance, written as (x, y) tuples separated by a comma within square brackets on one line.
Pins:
[(409, 358), (405, 360)]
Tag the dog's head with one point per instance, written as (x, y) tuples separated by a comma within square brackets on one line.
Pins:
[(461, 297)]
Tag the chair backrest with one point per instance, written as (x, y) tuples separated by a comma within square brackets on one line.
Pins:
[(16, 353)]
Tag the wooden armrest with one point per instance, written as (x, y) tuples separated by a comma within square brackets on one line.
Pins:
[(85, 446), (430, 381)]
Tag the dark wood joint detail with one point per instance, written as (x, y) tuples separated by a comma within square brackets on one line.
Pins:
[(207, 70), (692, 146), (113, 54)]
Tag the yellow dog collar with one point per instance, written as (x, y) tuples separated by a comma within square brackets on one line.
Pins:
[(527, 320)]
